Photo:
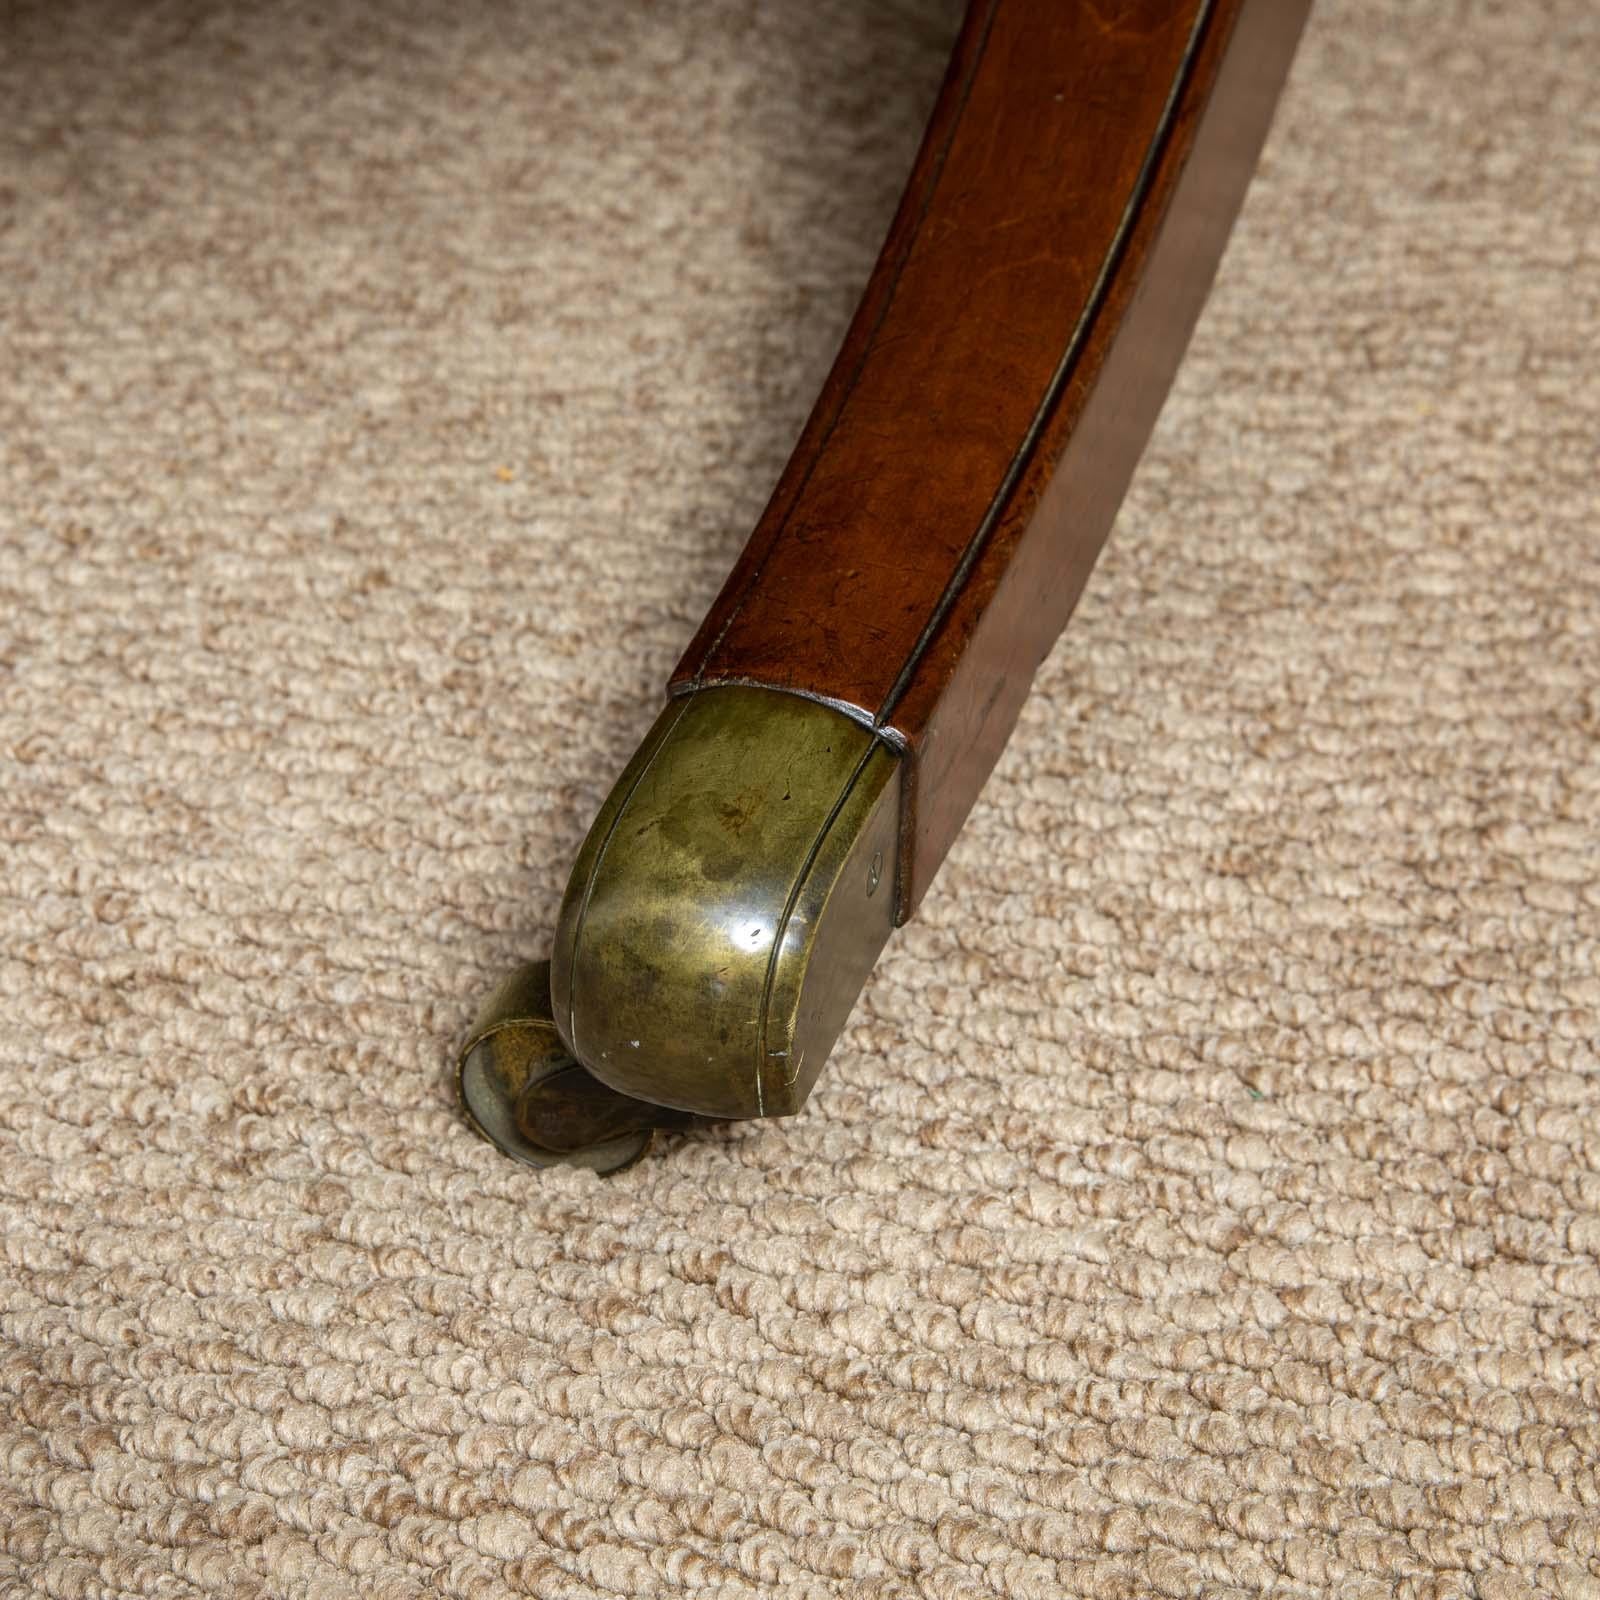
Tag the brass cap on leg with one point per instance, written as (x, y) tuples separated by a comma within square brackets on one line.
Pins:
[(729, 903)]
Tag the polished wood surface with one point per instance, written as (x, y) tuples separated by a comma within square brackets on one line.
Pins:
[(965, 460)]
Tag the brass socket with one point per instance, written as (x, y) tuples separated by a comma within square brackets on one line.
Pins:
[(729, 903)]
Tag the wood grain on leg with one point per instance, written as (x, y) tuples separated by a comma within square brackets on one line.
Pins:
[(969, 451)]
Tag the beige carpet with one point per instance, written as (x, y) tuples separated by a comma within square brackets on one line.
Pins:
[(1206, 1198)]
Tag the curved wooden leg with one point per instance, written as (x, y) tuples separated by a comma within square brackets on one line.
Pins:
[(836, 715)]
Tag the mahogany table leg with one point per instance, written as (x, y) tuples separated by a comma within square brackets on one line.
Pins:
[(836, 715)]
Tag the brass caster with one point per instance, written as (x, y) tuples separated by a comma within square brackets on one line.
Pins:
[(721, 918), (526, 1095)]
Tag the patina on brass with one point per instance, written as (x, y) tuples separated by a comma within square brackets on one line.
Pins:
[(725, 909), (721, 918)]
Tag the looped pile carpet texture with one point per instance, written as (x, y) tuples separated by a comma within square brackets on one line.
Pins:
[(1206, 1197)]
